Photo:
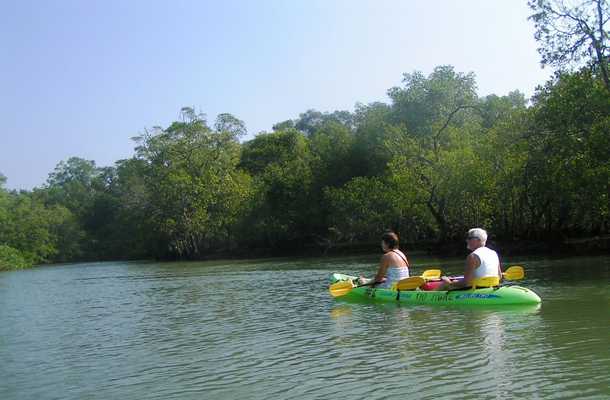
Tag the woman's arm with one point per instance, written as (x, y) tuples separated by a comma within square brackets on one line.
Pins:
[(383, 268)]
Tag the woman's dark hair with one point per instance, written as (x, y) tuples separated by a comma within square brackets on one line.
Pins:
[(391, 239)]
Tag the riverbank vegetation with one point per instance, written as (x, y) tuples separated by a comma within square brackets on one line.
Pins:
[(434, 161)]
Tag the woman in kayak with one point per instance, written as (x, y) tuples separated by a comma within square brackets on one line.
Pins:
[(393, 265), (482, 262)]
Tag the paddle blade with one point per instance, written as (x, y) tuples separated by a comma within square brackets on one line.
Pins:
[(431, 274), (411, 283), (340, 288), (513, 273)]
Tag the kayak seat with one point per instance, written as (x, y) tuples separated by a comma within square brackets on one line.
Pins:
[(431, 274), (488, 281), (395, 287)]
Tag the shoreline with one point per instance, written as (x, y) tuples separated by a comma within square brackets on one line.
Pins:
[(598, 245)]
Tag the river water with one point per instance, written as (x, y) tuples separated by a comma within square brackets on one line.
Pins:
[(270, 330)]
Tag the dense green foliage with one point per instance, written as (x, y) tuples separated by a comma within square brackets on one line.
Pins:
[(11, 259), (39, 232), (433, 162)]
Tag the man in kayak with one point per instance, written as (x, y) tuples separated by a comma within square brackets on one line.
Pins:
[(393, 265), (481, 263)]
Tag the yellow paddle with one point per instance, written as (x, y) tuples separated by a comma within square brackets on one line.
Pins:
[(344, 287), (340, 288), (514, 273), (411, 283)]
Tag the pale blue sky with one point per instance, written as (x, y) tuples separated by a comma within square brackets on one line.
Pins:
[(81, 77)]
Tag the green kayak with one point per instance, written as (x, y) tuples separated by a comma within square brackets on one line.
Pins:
[(499, 295)]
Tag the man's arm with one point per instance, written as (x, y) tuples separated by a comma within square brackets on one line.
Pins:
[(472, 263)]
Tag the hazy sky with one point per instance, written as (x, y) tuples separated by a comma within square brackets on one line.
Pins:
[(81, 77)]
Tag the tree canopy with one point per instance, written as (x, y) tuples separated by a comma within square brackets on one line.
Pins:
[(573, 34), (433, 161)]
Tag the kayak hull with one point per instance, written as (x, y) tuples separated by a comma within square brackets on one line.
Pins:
[(502, 295)]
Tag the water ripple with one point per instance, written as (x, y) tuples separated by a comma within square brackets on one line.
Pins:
[(192, 331)]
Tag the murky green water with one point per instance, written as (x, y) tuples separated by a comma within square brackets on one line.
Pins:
[(269, 330)]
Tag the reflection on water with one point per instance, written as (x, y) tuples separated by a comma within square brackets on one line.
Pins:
[(340, 311), (226, 331)]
